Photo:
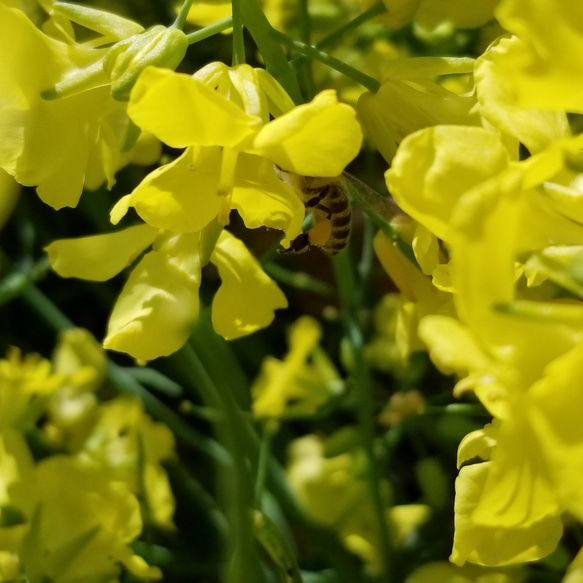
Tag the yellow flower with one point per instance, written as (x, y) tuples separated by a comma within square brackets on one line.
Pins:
[(79, 524), (231, 147), (61, 144), (430, 14), (26, 384), (128, 446), (82, 362), (521, 356), (159, 303), (301, 382), (331, 492), (442, 572)]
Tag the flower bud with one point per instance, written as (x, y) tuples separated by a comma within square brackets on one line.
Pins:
[(158, 46)]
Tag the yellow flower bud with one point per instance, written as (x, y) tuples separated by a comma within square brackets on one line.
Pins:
[(158, 46)]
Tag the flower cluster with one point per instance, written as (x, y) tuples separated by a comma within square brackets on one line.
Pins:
[(221, 116), (483, 241), (494, 293), (72, 515)]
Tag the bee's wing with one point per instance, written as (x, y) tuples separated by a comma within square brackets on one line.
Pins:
[(377, 206)]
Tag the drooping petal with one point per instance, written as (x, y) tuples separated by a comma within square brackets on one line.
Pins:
[(262, 199), (247, 298), (182, 111), (316, 139), (181, 196), (493, 545), (159, 303), (99, 257)]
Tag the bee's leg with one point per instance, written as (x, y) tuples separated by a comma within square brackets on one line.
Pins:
[(299, 245)]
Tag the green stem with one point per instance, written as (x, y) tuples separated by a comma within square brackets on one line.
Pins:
[(298, 280), (181, 18), (365, 264), (238, 38), (263, 463), (211, 30), (18, 280), (275, 58), (238, 491), (306, 37), (312, 52), (339, 33), (363, 383)]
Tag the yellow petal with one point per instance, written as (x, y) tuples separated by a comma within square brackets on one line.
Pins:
[(496, 545), (181, 196), (316, 139), (99, 257), (557, 400), (182, 111), (535, 128), (262, 199), (406, 104), (544, 67), (428, 175), (247, 298), (159, 303)]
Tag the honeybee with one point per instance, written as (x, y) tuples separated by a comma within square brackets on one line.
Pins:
[(329, 201)]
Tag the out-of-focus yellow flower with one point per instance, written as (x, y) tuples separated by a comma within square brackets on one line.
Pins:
[(575, 570), (300, 383), (81, 361), (16, 463), (442, 572), (128, 446), (159, 302), (331, 492), (543, 67), (79, 524), (26, 384), (430, 14), (410, 99), (206, 13)]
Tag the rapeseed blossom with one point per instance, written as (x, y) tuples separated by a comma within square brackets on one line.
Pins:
[(221, 116), (65, 517), (63, 127), (513, 363), (301, 383), (231, 147)]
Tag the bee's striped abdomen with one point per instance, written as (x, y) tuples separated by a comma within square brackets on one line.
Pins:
[(337, 207)]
